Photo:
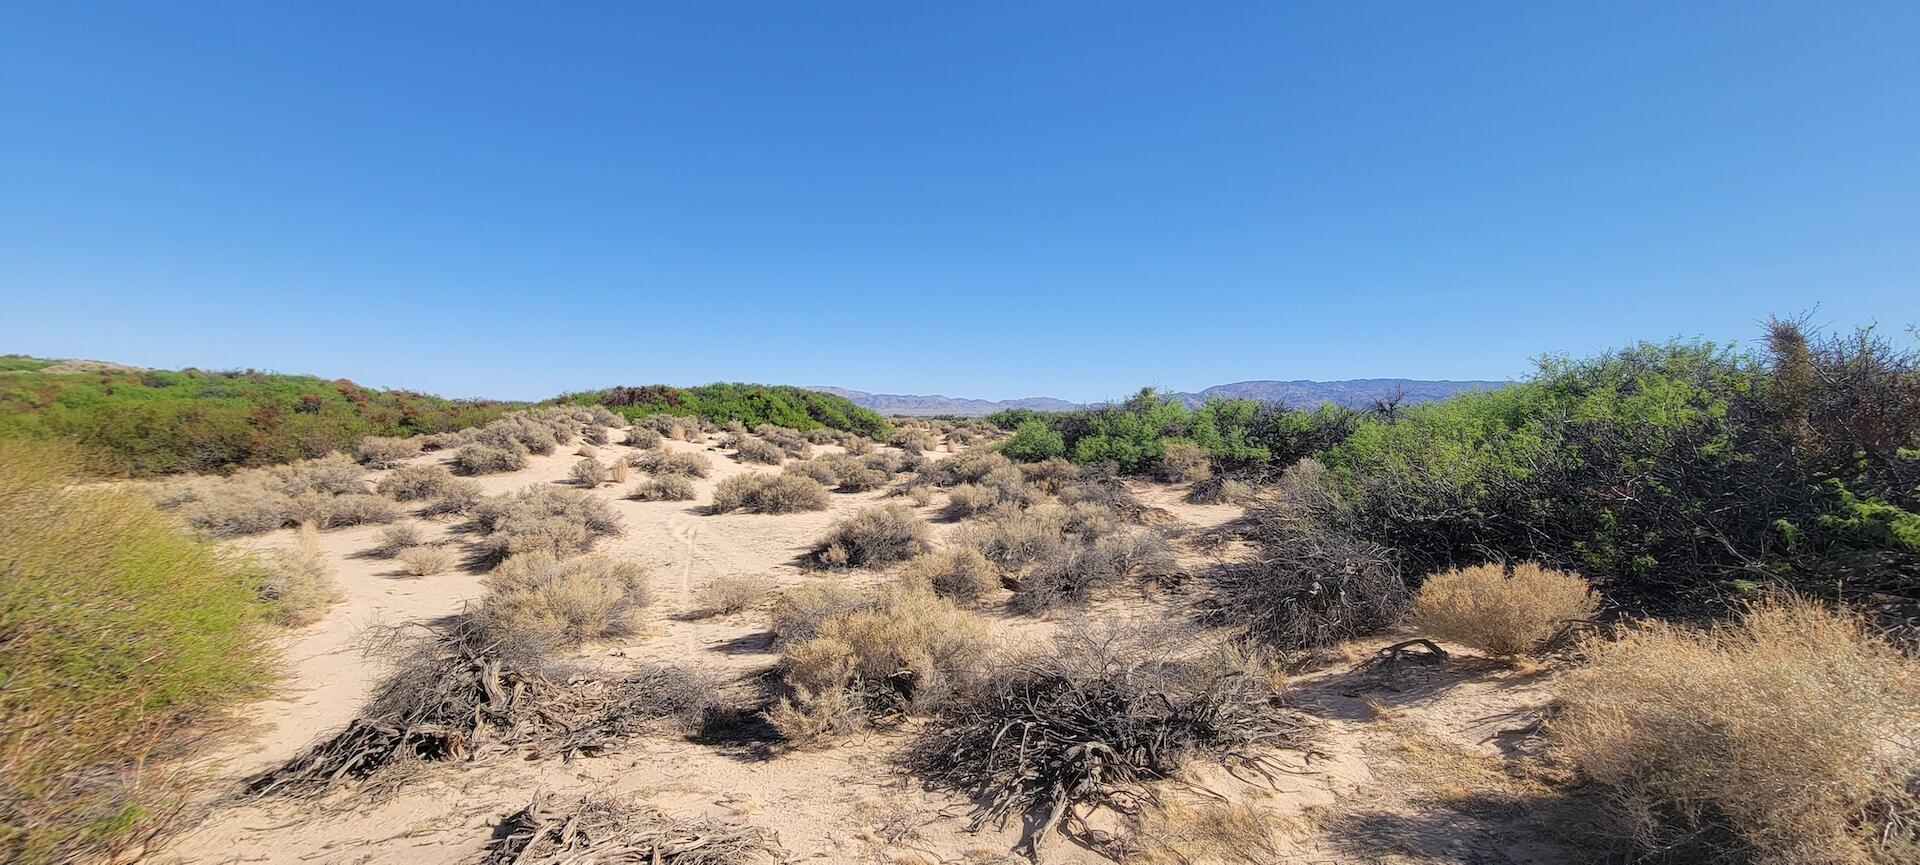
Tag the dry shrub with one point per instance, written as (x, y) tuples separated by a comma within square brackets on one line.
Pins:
[(725, 595), (459, 497), (1310, 585), (588, 473), (426, 561), (601, 829), (299, 582), (556, 520), (798, 611), (966, 500), (333, 474), (961, 574), (1220, 490), (349, 509), (414, 483), (1792, 736), (1096, 716), (382, 452), (595, 434), (863, 478), (641, 437), (1050, 475), (1500, 612), (1072, 575), (912, 441), (910, 651), (872, 538), (769, 493), (445, 440), (857, 445), (395, 538), (1106, 491), (462, 695), (1182, 462), (480, 459), (824, 471), (1012, 539), (231, 509), (666, 462), (757, 451), (921, 496), (665, 488), (824, 435), (1230, 833), (544, 600)]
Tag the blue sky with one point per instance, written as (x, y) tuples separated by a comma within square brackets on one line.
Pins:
[(980, 199)]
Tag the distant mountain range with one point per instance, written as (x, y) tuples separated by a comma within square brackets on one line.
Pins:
[(1353, 393)]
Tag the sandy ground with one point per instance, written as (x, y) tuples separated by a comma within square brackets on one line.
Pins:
[(1360, 797)]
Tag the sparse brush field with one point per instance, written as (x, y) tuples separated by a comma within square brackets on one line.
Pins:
[(741, 624)]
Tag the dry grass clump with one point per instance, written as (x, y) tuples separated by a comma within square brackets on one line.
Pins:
[(768, 493), (1182, 462), (425, 561), (480, 459), (961, 574), (754, 450), (1230, 833), (725, 595), (1502, 612), (666, 462), (588, 473), (641, 437), (461, 694), (383, 452), (1071, 575), (1220, 490), (545, 600), (394, 539), (1095, 716), (665, 488), (299, 581), (1792, 736), (799, 611), (910, 651), (872, 538), (600, 830), (555, 520), (414, 483)]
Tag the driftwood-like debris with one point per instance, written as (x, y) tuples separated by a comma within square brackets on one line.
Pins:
[(1087, 723), (456, 697), (606, 831)]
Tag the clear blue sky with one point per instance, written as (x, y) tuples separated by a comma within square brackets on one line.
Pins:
[(979, 199)]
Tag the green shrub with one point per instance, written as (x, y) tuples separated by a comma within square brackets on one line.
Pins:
[(122, 635), (1032, 441), (749, 405)]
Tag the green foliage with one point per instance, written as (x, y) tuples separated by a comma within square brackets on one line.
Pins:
[(749, 404), (1033, 441), (119, 632), (160, 422)]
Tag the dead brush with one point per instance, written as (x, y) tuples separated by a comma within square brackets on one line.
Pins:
[(1072, 575), (1791, 736), (608, 831), (456, 695), (1087, 722), (1309, 585)]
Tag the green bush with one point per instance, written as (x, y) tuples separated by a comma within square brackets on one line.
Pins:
[(121, 633), (1033, 441), (751, 405)]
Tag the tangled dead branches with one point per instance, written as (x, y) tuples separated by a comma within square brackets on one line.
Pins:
[(455, 697), (1084, 723), (607, 831)]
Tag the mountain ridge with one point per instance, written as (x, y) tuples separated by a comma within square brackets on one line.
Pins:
[(1352, 393)]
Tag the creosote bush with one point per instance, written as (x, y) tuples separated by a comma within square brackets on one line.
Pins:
[(1791, 736), (540, 599), (909, 651), (961, 574), (1500, 612), (769, 493), (872, 538)]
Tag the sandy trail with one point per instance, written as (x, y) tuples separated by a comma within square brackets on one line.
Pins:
[(848, 803)]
